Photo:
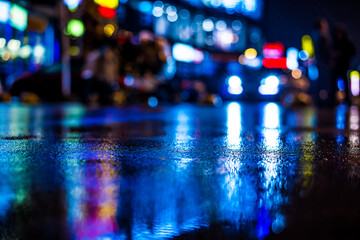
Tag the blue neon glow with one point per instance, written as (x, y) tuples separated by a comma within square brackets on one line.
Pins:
[(250, 5), (279, 224), (313, 72), (49, 45), (249, 8), (153, 102), (341, 84), (7, 196), (129, 81), (169, 68), (341, 117), (264, 222), (303, 55), (145, 6)]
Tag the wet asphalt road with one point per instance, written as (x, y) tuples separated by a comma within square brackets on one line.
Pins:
[(241, 171)]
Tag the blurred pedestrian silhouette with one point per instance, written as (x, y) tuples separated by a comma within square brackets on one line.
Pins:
[(100, 71), (344, 50), (324, 89)]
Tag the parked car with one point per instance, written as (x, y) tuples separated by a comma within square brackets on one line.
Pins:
[(47, 83)]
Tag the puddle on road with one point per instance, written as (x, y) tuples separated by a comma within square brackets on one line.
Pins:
[(249, 171)]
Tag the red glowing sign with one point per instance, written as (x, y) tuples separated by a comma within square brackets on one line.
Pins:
[(273, 50), (275, 63), (107, 12), (274, 55)]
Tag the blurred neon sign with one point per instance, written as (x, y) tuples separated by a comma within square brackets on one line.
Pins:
[(4, 11), (273, 50), (273, 55), (275, 63), (18, 17), (292, 62), (308, 45), (249, 8), (186, 53), (108, 3), (355, 83), (107, 12)]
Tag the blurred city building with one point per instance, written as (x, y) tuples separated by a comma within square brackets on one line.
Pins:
[(29, 38), (197, 42), (188, 50)]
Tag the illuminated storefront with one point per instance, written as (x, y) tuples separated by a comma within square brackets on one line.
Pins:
[(213, 34), (27, 41)]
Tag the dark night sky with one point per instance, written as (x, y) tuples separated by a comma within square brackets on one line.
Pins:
[(288, 20)]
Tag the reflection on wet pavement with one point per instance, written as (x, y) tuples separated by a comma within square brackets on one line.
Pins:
[(248, 171)]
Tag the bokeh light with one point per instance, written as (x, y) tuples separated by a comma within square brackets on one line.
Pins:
[(297, 73), (208, 25), (341, 84), (14, 44), (4, 11), (72, 4), (221, 25), (158, 11), (308, 45), (269, 86), (129, 81), (2, 42), (74, 50), (303, 55), (234, 81), (75, 28), (292, 58), (236, 25), (107, 12), (354, 80), (145, 6), (25, 51), (109, 30), (18, 17), (313, 72), (250, 53), (6, 55), (153, 102), (234, 85)]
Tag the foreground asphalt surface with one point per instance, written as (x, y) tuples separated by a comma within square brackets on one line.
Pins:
[(241, 171)]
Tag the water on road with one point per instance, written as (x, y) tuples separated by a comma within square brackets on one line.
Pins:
[(241, 171)]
